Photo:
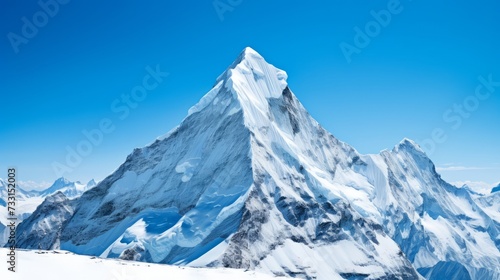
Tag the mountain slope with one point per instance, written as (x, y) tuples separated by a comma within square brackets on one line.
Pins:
[(240, 183), (250, 180), (438, 226), (44, 225)]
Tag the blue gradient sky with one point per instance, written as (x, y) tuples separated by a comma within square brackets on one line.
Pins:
[(427, 58)]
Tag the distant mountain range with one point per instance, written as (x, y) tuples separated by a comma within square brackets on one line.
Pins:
[(28, 201)]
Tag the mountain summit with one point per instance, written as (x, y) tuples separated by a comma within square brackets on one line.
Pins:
[(250, 180)]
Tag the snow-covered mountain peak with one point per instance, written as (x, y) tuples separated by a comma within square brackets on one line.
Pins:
[(251, 51), (248, 54), (91, 184), (250, 84), (57, 185), (70, 189), (61, 181), (58, 197), (410, 157), (251, 76), (409, 145)]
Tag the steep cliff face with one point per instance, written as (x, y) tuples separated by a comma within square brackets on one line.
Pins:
[(42, 230)]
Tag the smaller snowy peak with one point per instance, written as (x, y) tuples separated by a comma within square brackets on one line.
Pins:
[(408, 145), (58, 197), (57, 185), (470, 189), (92, 183), (61, 182), (408, 155), (68, 188)]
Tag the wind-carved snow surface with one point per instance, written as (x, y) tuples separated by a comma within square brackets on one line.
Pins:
[(250, 180)]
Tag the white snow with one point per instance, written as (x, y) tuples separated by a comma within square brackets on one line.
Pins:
[(206, 100), (187, 168), (63, 265)]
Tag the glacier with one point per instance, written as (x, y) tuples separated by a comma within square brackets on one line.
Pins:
[(250, 180)]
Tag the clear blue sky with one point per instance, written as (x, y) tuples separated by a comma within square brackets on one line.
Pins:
[(427, 58)]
